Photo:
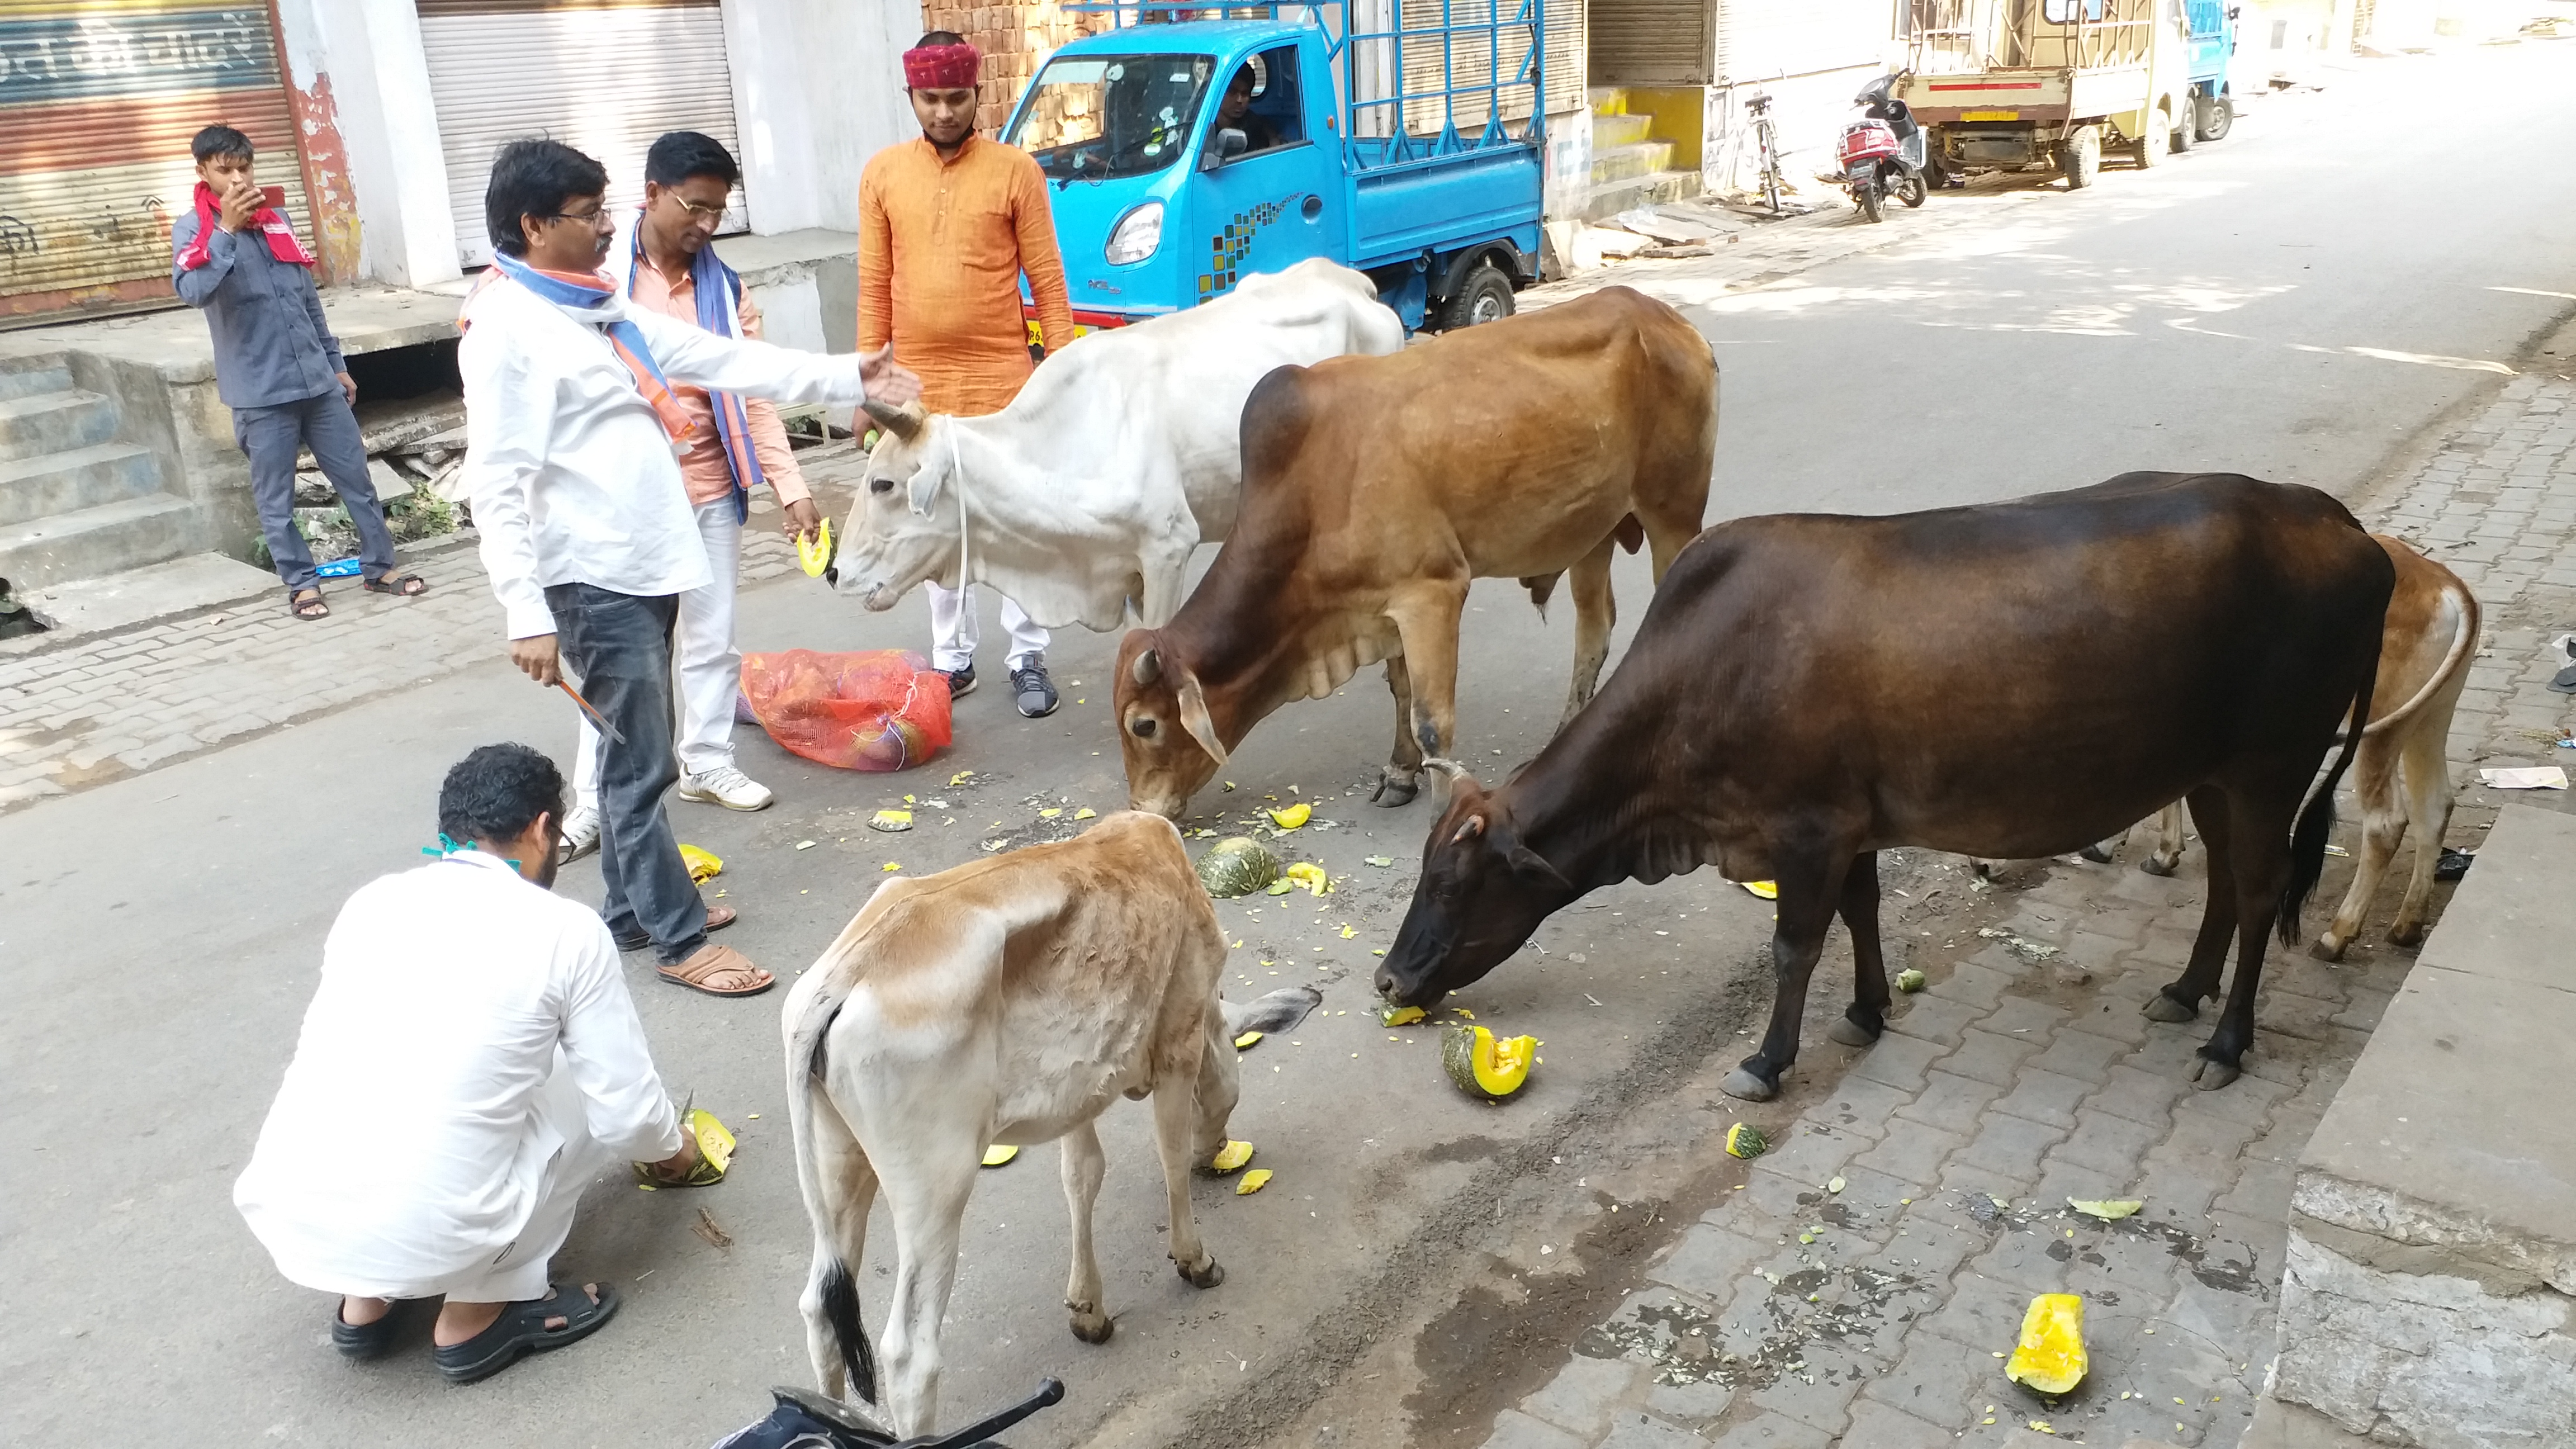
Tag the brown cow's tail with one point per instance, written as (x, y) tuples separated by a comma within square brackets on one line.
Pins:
[(809, 1100), (2317, 820)]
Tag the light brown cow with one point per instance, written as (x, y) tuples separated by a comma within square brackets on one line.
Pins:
[(1376, 488), (2432, 633), (1009, 1000)]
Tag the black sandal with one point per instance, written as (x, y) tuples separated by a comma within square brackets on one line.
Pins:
[(306, 604), (402, 583), (363, 1340), (521, 1329)]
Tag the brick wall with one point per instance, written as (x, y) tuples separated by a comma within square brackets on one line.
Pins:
[(1015, 40)]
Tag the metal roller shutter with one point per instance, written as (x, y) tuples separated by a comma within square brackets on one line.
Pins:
[(1471, 61), (99, 99), (606, 79), (1650, 42)]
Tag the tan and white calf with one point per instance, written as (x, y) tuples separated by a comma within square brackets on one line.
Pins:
[(2402, 776), (1009, 1000)]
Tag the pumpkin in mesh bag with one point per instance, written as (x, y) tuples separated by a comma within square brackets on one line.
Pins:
[(877, 709)]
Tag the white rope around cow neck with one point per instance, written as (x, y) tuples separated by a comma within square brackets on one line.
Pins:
[(957, 475)]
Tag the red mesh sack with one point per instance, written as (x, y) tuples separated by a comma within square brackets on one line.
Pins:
[(878, 709)]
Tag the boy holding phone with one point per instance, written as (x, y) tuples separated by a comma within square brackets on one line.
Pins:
[(277, 366)]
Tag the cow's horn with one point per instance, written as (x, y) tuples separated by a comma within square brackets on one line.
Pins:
[(1147, 668), (903, 422), (1439, 766)]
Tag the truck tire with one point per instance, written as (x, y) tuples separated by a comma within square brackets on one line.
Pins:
[(2149, 149), (2212, 116), (2080, 157), (1483, 295), (2185, 132)]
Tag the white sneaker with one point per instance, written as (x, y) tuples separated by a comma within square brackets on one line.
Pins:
[(580, 833), (724, 785)]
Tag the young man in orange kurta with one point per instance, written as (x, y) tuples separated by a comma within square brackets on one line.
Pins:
[(947, 226)]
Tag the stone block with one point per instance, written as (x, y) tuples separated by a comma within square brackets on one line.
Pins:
[(1913, 1153), (1584, 1394), (1898, 1061), (1860, 1105), (1696, 1404), (1878, 1426), (2023, 1259), (1516, 1430), (1707, 1259), (1989, 1056), (1810, 1154), (2024, 1016), (2009, 1147), (1774, 1431), (1950, 1102), (1972, 984), (2077, 1051), (2045, 1096), (1930, 1243), (1937, 1019), (2139, 1095)]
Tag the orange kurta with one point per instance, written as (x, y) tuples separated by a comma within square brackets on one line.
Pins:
[(942, 244)]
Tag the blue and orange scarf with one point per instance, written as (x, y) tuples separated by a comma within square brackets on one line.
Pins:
[(719, 294), (589, 292)]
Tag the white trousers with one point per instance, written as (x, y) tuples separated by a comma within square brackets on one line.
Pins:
[(710, 667), (955, 630), (518, 1272)]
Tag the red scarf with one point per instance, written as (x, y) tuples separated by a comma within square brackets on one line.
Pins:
[(281, 237)]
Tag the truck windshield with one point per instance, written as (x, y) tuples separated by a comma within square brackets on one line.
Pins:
[(1093, 117)]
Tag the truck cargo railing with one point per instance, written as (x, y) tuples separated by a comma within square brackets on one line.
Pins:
[(2042, 34), (1395, 145)]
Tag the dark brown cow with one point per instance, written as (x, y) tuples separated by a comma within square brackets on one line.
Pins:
[(1376, 488), (2013, 680)]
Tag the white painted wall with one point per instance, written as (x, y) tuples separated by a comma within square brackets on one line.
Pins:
[(380, 83), (817, 90)]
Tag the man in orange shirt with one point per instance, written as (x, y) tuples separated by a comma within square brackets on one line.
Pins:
[(947, 225), (660, 258)]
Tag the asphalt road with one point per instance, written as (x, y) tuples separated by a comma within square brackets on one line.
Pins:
[(2297, 302)]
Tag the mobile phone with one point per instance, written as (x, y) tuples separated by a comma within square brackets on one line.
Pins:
[(272, 197)]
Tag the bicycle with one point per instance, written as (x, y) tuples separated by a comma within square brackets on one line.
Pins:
[(1766, 139)]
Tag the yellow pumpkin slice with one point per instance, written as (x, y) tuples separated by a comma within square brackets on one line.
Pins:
[(997, 1154), (1767, 890), (814, 550), (1292, 817), (1244, 1042), (1231, 1156), (1485, 1065), (1252, 1182), (1389, 1014), (2050, 1357)]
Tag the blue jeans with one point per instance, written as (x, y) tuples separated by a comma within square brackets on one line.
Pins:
[(618, 646), (323, 422)]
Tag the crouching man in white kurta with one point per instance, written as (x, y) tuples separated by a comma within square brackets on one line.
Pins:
[(470, 1061)]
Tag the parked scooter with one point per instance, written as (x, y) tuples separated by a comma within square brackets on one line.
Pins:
[(1882, 154)]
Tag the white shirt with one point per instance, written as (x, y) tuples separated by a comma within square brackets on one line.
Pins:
[(571, 473), (406, 1143)]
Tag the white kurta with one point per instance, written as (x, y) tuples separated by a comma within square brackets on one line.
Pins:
[(471, 1050)]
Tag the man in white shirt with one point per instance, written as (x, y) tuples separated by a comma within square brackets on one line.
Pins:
[(469, 1062), (572, 428)]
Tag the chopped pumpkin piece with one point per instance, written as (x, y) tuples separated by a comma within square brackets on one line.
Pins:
[(1292, 817), (2107, 1211), (998, 1154), (1485, 1065), (1231, 1156), (1909, 979), (1252, 1182), (1245, 1041), (1390, 1014), (2050, 1357), (1745, 1141)]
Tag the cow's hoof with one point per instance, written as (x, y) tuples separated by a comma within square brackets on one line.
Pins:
[(1850, 1033), (2210, 1075), (2409, 934), (2158, 865), (1394, 791), (2099, 855), (1208, 1274), (1094, 1327), (2163, 1007), (2328, 947), (1748, 1087)]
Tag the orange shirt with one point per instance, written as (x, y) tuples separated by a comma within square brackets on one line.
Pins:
[(703, 469), (942, 244)]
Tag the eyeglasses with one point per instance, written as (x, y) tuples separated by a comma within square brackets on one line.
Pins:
[(700, 213), (591, 218)]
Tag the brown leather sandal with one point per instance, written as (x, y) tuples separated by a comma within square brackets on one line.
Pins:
[(718, 917), (401, 583), (713, 961), (307, 604)]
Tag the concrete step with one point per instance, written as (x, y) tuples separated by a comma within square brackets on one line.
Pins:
[(54, 422), (1608, 100), (162, 590), (39, 372), (1620, 130), (1608, 200), (80, 478), (93, 541), (1626, 163)]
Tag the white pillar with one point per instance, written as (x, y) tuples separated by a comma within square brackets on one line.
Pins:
[(817, 90), (389, 126)]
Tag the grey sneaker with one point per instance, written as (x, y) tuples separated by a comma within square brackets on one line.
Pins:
[(961, 682), (580, 833), (1031, 689)]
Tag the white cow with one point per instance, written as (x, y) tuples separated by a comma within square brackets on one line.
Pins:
[(1118, 458), (1009, 1000)]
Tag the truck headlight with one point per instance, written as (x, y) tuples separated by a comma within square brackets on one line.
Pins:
[(1136, 236)]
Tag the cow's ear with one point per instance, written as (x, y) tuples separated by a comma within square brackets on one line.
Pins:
[(1528, 862), (1195, 717), (925, 484)]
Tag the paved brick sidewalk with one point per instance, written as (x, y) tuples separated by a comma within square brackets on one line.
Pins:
[(119, 703), (1794, 1316)]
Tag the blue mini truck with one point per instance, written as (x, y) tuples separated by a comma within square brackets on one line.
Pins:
[(1167, 190)]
